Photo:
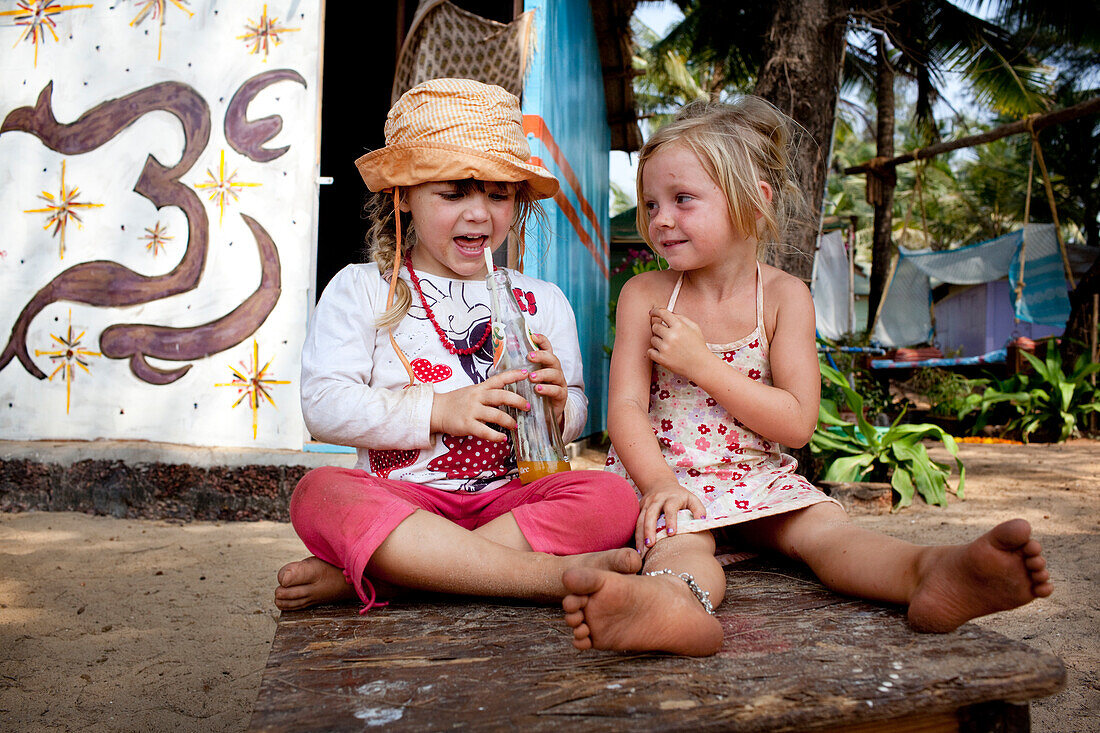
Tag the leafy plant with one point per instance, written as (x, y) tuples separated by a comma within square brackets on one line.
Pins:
[(878, 403), (945, 391), (637, 261), (1047, 404), (861, 452)]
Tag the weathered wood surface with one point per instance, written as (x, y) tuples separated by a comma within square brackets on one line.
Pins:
[(796, 657)]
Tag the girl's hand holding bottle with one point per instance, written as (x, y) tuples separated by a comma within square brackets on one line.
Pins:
[(549, 378), (665, 498), (470, 410)]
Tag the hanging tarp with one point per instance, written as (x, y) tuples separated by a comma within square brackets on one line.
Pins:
[(829, 284), (905, 317), (1044, 300)]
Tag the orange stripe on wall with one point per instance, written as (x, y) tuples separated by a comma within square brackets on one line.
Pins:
[(534, 124), (571, 215)]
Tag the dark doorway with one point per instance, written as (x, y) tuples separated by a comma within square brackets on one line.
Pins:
[(360, 50), (360, 55)]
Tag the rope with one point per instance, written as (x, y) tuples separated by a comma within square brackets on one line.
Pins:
[(918, 188), (920, 198), (1019, 288), (394, 275), (1050, 200), (905, 221)]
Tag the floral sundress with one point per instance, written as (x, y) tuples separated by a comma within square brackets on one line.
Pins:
[(738, 475)]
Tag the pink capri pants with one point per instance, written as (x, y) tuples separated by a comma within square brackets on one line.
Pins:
[(343, 515)]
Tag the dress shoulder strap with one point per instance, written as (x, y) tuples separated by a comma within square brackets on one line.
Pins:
[(760, 300), (675, 292)]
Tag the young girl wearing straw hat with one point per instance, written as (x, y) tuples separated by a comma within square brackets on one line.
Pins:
[(396, 363)]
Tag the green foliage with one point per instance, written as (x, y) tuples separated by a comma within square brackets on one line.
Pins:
[(643, 260), (637, 261), (620, 199), (945, 391), (1048, 404), (965, 197), (878, 404), (713, 52), (860, 452)]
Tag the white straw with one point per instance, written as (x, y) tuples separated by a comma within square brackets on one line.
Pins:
[(488, 259)]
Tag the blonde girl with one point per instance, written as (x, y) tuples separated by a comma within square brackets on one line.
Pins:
[(714, 369), (396, 363)]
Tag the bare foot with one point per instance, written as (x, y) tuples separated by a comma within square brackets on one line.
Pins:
[(637, 613), (1002, 569), (310, 582)]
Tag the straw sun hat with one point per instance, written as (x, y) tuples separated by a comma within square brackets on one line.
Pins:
[(454, 129)]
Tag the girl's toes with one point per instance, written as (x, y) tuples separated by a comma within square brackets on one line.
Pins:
[(284, 575), (285, 594), (1035, 564), (572, 603)]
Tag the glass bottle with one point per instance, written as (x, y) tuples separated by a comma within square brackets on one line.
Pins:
[(536, 438)]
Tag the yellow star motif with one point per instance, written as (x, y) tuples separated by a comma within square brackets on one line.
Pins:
[(264, 34), (252, 382), (157, 236), (158, 9), (222, 187), (61, 209), (37, 16), (70, 355)]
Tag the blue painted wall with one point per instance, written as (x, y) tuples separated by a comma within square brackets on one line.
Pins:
[(564, 88)]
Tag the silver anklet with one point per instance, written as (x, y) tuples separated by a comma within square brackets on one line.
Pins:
[(702, 595)]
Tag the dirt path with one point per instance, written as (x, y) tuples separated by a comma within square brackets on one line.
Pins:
[(1057, 489), (145, 625)]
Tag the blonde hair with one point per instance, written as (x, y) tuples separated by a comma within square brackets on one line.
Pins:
[(738, 144), (381, 239)]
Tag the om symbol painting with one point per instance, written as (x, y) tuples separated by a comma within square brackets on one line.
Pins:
[(158, 197)]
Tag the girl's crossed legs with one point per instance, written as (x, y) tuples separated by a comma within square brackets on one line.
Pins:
[(944, 586), (507, 542)]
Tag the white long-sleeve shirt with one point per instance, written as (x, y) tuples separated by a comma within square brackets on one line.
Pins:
[(355, 390)]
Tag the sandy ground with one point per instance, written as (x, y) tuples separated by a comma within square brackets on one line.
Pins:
[(130, 625)]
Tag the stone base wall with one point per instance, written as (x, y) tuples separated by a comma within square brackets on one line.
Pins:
[(150, 490)]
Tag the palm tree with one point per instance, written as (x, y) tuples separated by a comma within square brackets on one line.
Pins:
[(798, 47), (729, 49), (667, 77), (919, 41), (1068, 36)]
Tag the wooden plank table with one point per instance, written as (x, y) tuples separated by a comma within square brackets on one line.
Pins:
[(796, 657)]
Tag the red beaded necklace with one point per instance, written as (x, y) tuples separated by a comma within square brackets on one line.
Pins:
[(447, 343)]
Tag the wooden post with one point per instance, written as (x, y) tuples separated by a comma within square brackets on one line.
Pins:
[(399, 32), (851, 246), (882, 179), (1038, 122), (1093, 350)]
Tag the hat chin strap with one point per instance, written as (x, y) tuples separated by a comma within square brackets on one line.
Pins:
[(394, 273)]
